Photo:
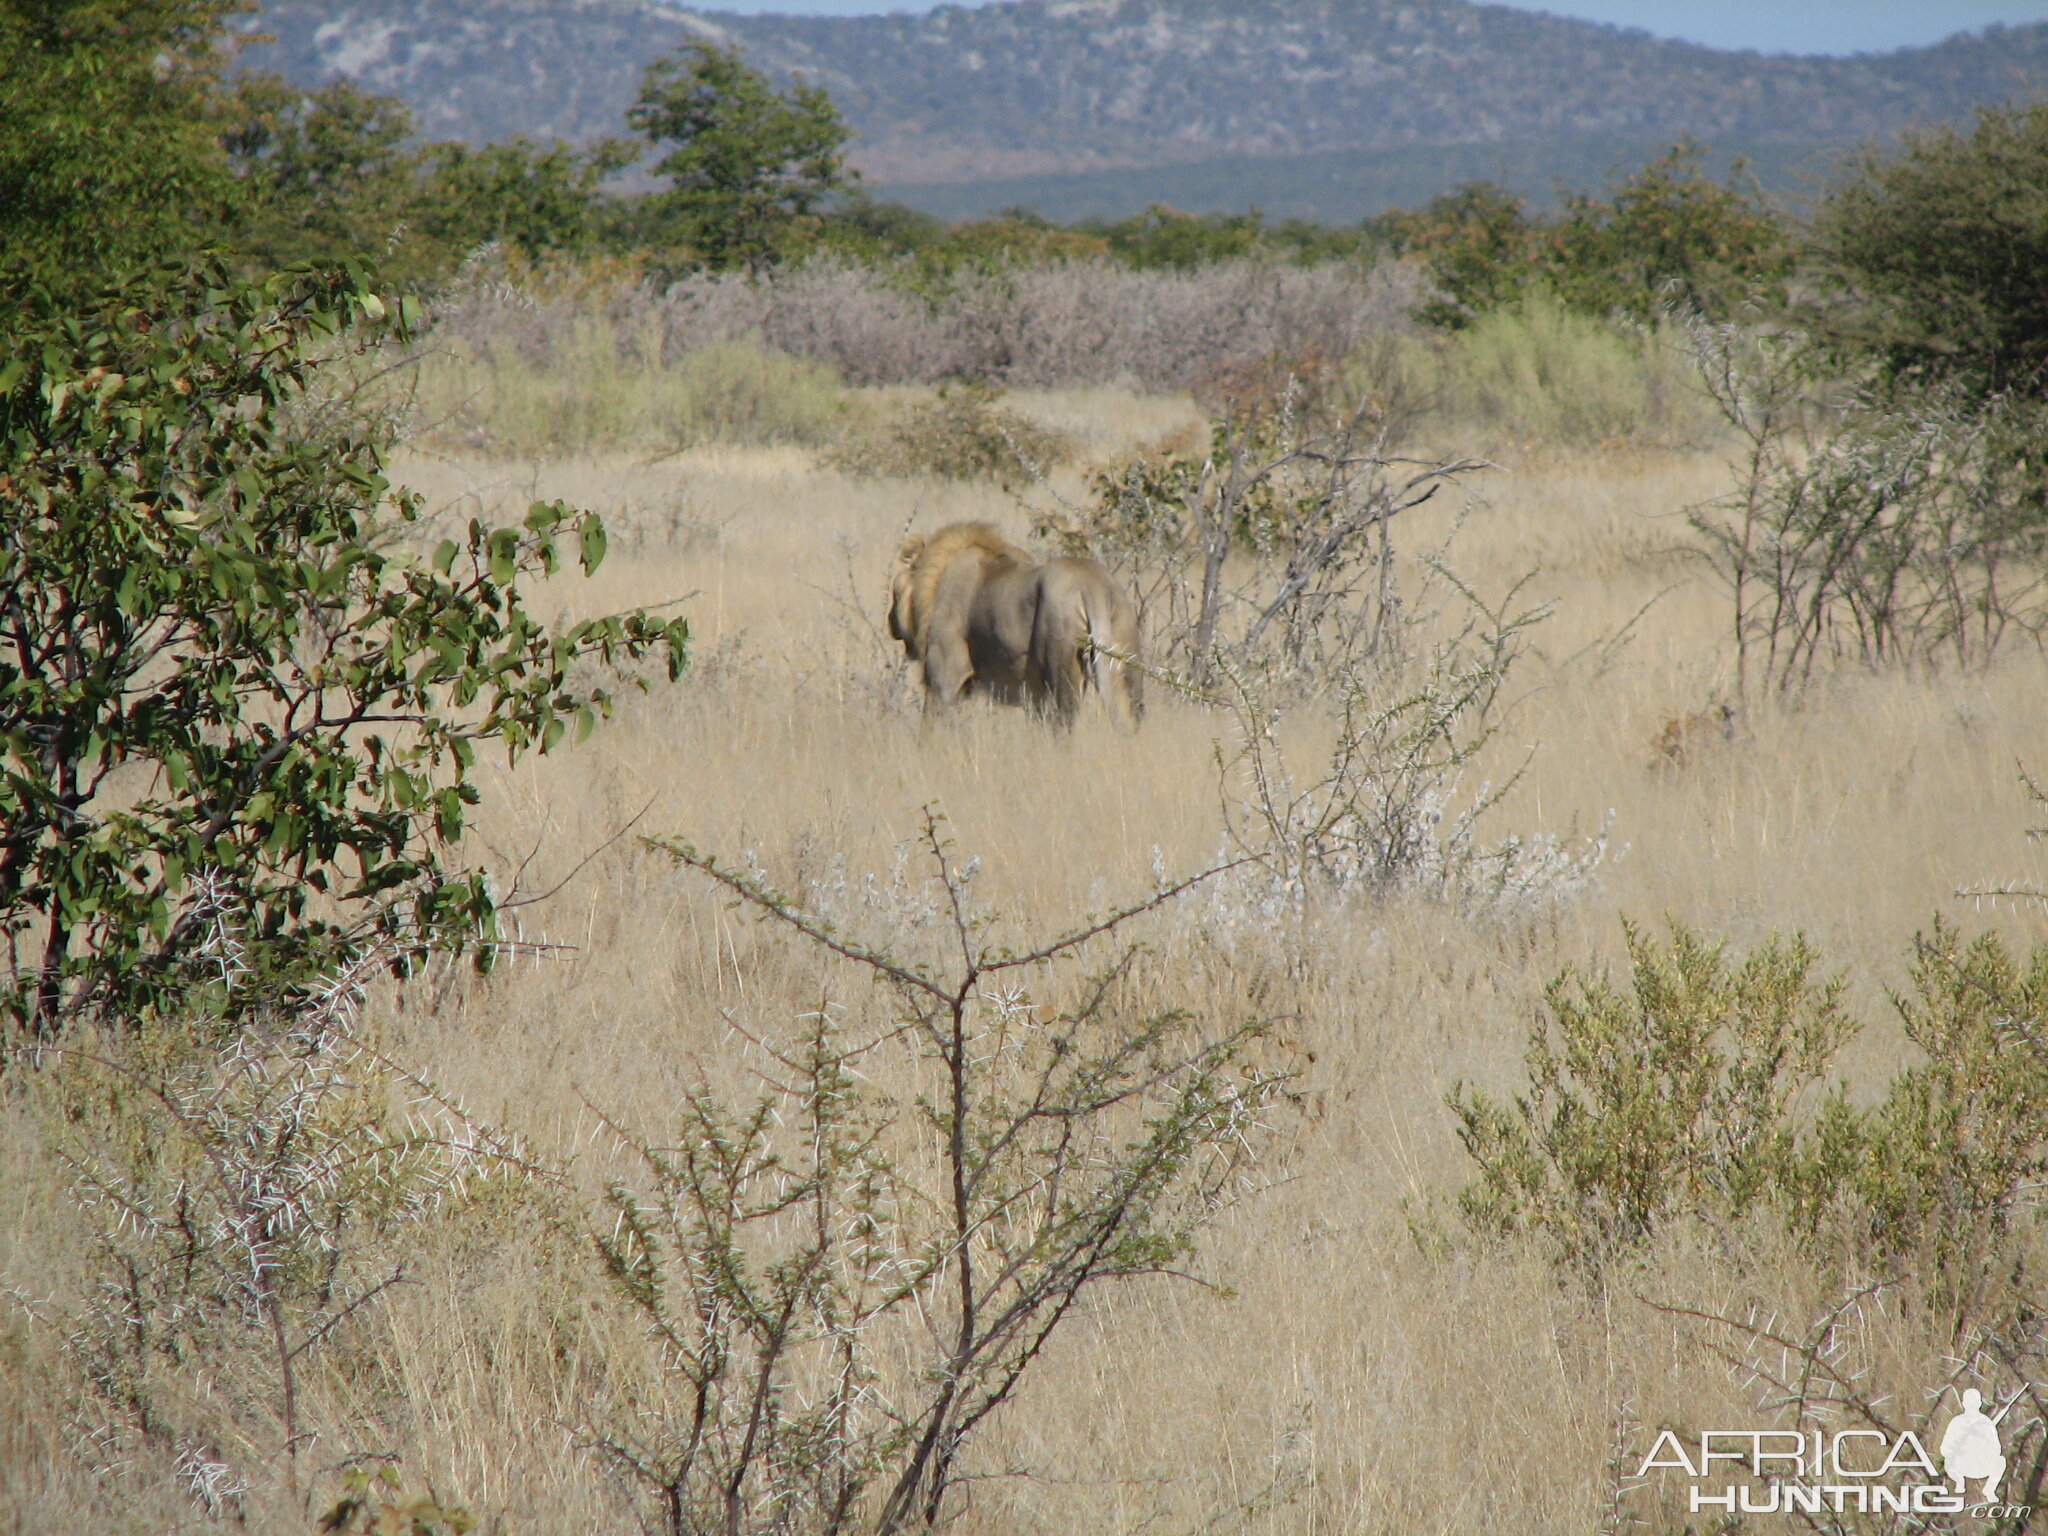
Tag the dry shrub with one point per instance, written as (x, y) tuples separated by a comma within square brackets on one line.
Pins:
[(1272, 590), (1388, 813), (1873, 525), (1274, 549), (1068, 323), (847, 316), (961, 434), (1096, 322)]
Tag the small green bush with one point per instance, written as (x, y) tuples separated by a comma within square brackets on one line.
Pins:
[(1675, 1094), (962, 434), (1536, 371), (737, 392), (1939, 1176), (597, 390), (1683, 1096)]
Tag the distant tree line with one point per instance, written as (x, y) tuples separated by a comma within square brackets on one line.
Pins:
[(127, 139)]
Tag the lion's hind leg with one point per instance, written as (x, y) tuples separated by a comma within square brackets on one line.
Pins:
[(1061, 651)]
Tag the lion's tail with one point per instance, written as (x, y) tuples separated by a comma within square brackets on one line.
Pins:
[(1100, 638), (1109, 646), (1119, 632)]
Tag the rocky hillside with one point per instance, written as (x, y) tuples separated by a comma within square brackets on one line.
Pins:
[(1054, 88)]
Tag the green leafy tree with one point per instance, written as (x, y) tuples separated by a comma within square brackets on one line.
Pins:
[(542, 198), (331, 174), (323, 175), (108, 150), (121, 147), (1478, 244), (748, 164), (1669, 224), (867, 230), (1166, 237), (1940, 250), (221, 665), (1671, 231)]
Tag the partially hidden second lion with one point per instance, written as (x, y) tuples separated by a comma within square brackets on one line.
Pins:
[(985, 618)]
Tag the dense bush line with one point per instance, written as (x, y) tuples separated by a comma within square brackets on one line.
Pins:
[(1079, 322)]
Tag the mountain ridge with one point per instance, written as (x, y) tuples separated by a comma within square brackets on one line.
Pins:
[(1064, 88)]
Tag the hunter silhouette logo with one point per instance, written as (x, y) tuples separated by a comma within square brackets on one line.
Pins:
[(1970, 1446)]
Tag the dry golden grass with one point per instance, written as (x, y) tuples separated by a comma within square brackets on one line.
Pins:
[(1356, 1376)]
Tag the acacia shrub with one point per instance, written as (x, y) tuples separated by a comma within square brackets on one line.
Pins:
[(844, 1274)]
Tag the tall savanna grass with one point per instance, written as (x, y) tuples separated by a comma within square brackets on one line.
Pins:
[(1357, 1355), (1536, 372), (598, 385)]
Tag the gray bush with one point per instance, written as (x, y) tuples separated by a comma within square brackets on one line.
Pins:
[(1069, 323)]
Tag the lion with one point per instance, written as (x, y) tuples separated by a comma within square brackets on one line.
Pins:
[(1687, 737), (983, 617)]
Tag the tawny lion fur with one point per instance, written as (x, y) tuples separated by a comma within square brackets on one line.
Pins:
[(985, 618)]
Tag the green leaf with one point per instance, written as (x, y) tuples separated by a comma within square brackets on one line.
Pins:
[(594, 543), (504, 554), (448, 815)]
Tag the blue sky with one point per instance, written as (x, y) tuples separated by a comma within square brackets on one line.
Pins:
[(1803, 26), (1774, 26)]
